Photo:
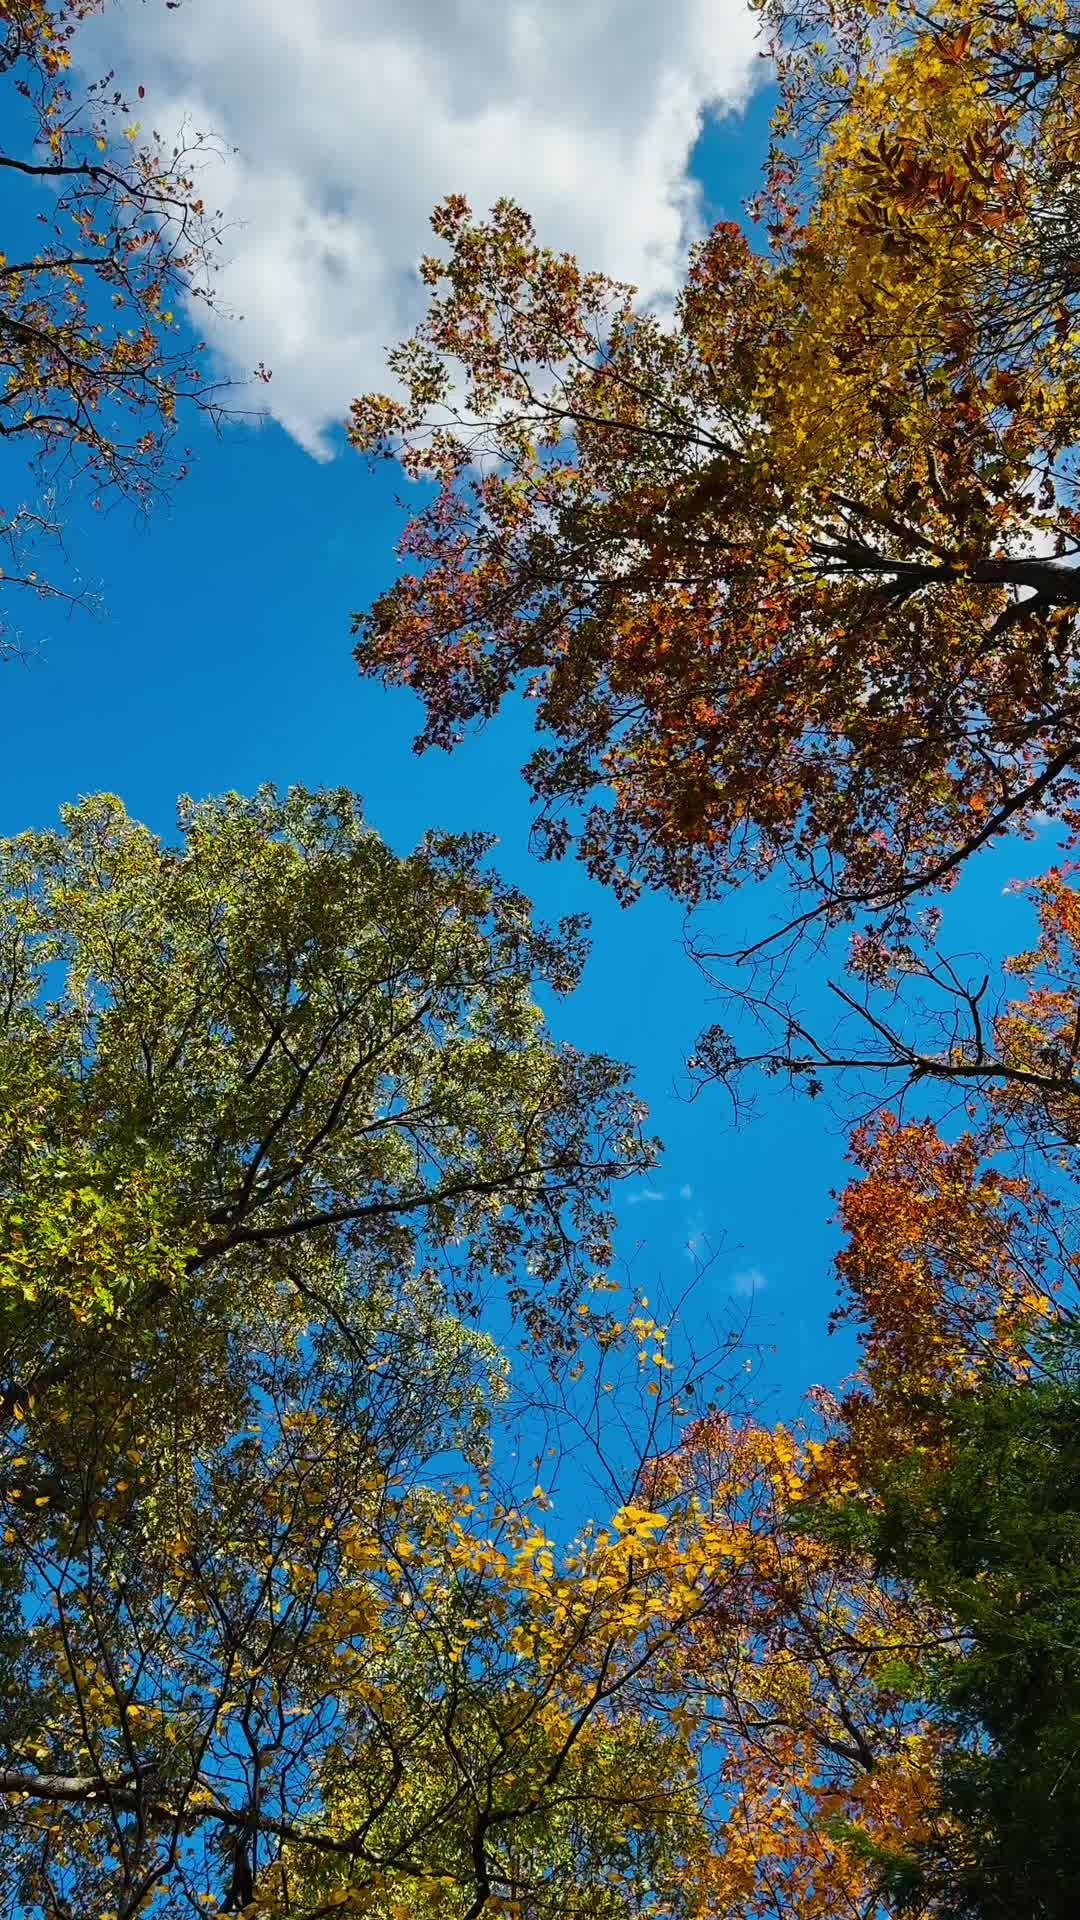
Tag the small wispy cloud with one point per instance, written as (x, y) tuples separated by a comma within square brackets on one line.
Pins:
[(644, 1196), (686, 1192), (697, 1248), (747, 1282)]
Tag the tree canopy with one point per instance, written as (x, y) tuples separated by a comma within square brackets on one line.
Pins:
[(276, 1103), (278, 1637), (790, 578), (307, 1215)]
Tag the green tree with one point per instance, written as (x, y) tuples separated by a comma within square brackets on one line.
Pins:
[(279, 1109), (987, 1531), (283, 1036)]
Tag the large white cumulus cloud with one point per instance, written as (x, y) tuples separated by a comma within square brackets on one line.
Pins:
[(353, 117)]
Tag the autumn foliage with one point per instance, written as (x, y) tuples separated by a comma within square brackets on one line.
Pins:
[(306, 1214), (96, 366), (788, 576)]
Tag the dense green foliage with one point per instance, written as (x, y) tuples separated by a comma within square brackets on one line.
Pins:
[(984, 1525), (994, 1538)]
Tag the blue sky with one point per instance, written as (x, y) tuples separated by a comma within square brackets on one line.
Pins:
[(222, 659)]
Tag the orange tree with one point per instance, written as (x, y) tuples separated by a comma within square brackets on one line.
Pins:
[(111, 234), (882, 1687), (790, 578)]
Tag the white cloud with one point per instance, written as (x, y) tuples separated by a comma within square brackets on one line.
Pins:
[(696, 1247), (353, 117), (748, 1282), (643, 1195)]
